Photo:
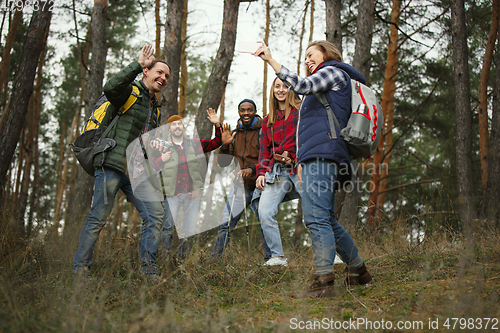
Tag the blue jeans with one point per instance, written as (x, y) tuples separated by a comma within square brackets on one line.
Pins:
[(239, 198), (278, 183), (190, 209), (318, 204), (151, 211)]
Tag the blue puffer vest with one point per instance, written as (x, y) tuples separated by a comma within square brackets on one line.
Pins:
[(314, 134)]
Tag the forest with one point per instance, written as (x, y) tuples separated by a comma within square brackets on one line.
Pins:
[(427, 221)]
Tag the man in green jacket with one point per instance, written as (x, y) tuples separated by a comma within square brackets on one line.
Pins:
[(111, 167)]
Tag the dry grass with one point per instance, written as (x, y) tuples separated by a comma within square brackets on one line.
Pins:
[(437, 278)]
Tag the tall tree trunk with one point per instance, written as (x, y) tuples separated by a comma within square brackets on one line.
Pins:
[(9, 42), (311, 22), (60, 184), (22, 90), (463, 117), (217, 81), (184, 71), (172, 54), (362, 62), (387, 103), (158, 30), (33, 121), (492, 197), (333, 23), (266, 41), (301, 37), (483, 93), (364, 32), (83, 187), (75, 168), (379, 163)]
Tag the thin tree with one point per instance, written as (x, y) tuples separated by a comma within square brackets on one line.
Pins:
[(83, 186), (22, 90), (184, 71), (172, 54), (301, 36), (217, 80), (266, 41), (9, 42), (387, 104), (483, 92), (463, 116), (492, 196)]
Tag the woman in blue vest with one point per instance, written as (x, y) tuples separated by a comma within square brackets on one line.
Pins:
[(323, 160)]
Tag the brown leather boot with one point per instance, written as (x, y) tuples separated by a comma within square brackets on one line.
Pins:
[(357, 276), (321, 286)]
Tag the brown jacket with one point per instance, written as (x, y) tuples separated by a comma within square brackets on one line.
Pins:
[(245, 147)]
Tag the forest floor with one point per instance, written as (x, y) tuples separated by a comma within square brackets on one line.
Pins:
[(436, 285)]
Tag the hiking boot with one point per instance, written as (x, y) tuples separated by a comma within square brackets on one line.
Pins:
[(321, 286), (276, 261), (357, 276)]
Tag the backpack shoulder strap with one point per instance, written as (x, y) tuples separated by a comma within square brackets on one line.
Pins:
[(131, 100), (332, 119)]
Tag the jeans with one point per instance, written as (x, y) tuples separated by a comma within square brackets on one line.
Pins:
[(151, 211), (278, 183), (190, 209), (318, 204), (239, 198)]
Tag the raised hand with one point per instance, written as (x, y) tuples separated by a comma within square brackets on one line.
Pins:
[(146, 56), (227, 137), (212, 116), (263, 52)]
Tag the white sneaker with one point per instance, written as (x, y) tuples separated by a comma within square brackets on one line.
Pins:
[(276, 261)]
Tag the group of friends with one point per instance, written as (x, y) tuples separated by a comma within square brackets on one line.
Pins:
[(287, 154)]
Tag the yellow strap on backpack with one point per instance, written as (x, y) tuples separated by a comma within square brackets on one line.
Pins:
[(98, 115)]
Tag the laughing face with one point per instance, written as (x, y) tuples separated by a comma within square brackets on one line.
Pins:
[(156, 78), (247, 112), (280, 90), (176, 129), (314, 57)]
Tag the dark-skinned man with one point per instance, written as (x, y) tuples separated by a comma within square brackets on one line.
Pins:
[(245, 149)]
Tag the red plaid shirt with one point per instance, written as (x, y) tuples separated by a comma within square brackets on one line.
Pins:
[(285, 133), (184, 181)]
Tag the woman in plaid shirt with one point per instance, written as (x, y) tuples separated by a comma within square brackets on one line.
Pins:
[(323, 160), (277, 175)]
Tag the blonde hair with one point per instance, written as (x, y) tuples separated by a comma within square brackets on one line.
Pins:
[(292, 99), (330, 51)]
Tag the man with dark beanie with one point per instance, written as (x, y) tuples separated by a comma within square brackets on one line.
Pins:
[(245, 149)]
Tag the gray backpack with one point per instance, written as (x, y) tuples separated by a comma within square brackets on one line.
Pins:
[(363, 129)]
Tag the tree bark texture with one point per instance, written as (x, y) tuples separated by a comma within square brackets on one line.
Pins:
[(301, 37), (463, 116), (266, 41), (386, 102), (172, 54), (364, 33), (220, 71), (22, 90), (158, 30), (184, 71), (362, 62), (9, 42), (483, 92), (83, 186), (492, 197), (33, 126), (333, 23)]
